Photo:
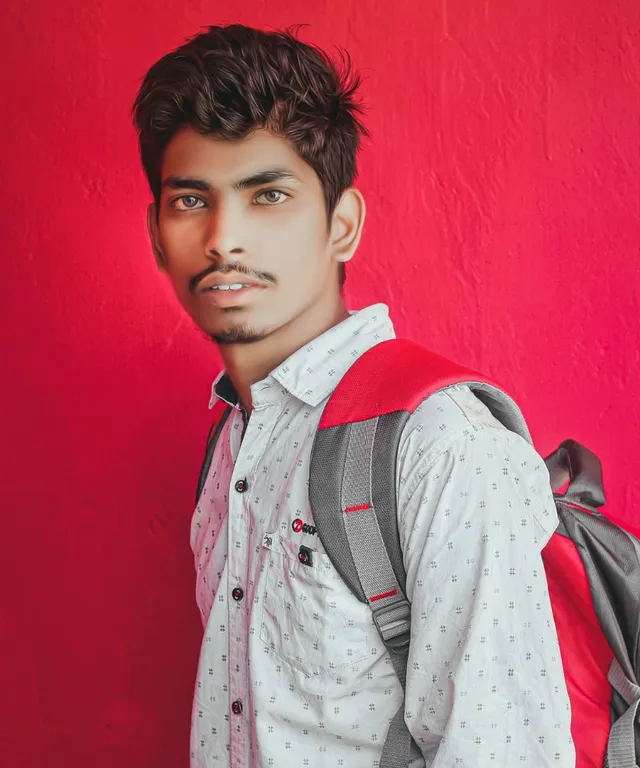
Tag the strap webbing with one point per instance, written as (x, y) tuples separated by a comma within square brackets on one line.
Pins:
[(621, 749), (390, 608), (397, 747)]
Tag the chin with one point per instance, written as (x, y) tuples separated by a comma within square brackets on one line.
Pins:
[(239, 325), (237, 333)]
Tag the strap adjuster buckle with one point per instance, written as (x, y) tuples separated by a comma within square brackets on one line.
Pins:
[(393, 622)]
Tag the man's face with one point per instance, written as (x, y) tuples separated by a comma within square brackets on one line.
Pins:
[(242, 233)]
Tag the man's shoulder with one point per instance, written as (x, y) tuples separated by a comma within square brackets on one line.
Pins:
[(452, 417), (453, 440), (450, 412)]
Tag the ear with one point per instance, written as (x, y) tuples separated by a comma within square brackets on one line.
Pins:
[(346, 224), (154, 237)]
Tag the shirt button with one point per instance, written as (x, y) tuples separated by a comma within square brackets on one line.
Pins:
[(237, 594), (242, 485), (236, 707)]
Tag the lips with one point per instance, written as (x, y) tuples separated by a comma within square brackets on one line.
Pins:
[(219, 295), (222, 284), (229, 287)]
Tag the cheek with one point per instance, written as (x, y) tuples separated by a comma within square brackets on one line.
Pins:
[(183, 255), (180, 242), (299, 245)]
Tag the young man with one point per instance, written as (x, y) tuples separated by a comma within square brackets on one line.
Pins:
[(249, 143)]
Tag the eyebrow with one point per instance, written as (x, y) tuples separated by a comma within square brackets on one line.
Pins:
[(267, 176)]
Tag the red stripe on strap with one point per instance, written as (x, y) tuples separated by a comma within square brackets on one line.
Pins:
[(390, 593), (358, 508)]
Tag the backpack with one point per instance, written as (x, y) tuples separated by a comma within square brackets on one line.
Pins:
[(592, 563)]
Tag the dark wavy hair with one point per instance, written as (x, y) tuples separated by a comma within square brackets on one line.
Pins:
[(230, 80)]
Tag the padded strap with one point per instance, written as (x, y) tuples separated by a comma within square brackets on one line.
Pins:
[(389, 606), (621, 748)]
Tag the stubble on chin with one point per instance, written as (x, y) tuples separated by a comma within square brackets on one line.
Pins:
[(241, 334), (238, 333)]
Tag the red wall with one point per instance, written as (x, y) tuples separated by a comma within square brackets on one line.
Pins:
[(503, 184)]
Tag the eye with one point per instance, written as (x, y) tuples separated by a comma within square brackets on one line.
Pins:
[(187, 203), (268, 196)]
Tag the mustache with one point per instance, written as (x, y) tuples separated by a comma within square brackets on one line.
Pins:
[(234, 266)]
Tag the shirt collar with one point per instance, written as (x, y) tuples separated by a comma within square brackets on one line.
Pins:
[(313, 372)]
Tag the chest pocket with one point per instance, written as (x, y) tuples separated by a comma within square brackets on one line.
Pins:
[(310, 618)]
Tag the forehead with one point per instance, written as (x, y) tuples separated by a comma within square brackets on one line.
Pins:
[(223, 161)]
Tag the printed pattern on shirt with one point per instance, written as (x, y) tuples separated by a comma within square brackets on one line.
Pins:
[(292, 671)]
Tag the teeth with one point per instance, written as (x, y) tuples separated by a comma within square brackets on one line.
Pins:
[(232, 287)]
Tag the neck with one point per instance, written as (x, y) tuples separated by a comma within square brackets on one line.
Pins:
[(247, 364)]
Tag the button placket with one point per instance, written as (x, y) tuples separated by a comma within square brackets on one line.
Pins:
[(240, 541), (239, 616)]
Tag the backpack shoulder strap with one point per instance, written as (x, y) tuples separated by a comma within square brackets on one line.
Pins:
[(220, 415), (353, 458), (352, 486)]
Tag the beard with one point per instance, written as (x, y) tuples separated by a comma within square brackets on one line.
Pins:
[(241, 334)]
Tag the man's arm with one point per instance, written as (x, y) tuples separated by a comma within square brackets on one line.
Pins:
[(485, 684)]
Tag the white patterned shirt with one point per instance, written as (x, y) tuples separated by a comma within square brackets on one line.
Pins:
[(292, 671)]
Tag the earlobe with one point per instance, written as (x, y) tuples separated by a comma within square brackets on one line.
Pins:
[(348, 220), (154, 237)]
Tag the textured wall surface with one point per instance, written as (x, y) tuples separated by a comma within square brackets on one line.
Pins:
[(503, 186)]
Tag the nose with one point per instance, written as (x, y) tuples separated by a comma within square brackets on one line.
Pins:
[(224, 238)]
